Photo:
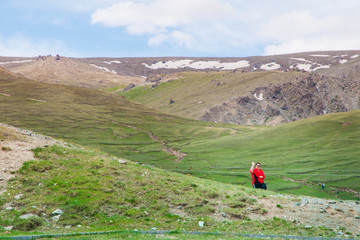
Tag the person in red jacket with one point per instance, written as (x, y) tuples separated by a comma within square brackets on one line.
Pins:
[(258, 176)]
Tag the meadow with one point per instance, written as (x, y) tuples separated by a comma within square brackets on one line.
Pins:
[(296, 157)]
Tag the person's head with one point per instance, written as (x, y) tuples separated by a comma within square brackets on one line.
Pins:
[(258, 165)]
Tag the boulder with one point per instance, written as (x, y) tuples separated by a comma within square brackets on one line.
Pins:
[(27, 216), (57, 212)]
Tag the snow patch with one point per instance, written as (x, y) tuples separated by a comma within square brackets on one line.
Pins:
[(104, 68), (302, 59), (321, 66), (110, 62), (354, 56), (307, 66), (22, 61), (260, 97), (176, 64), (342, 61), (319, 55), (270, 66)]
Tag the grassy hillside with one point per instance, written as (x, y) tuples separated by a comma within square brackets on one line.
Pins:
[(97, 192), (196, 92), (296, 157)]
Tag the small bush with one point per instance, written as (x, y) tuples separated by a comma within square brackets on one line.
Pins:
[(28, 224), (237, 205), (212, 195), (5, 149), (37, 166)]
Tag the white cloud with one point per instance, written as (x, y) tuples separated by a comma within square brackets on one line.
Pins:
[(20, 45), (70, 5), (185, 23), (306, 30), (175, 37), (159, 15)]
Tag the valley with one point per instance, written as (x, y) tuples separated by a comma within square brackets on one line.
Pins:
[(186, 122)]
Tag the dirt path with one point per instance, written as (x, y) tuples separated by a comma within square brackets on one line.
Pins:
[(166, 148), (15, 149)]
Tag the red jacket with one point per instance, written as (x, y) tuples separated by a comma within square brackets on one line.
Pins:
[(258, 173)]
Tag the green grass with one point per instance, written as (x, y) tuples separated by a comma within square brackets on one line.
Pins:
[(296, 157), (97, 193)]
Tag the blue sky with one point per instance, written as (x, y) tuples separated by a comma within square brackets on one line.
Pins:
[(142, 28)]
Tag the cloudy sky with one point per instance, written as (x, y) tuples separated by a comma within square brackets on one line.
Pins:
[(135, 28)]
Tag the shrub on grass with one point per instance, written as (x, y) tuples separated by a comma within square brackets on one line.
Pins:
[(237, 205), (6, 149), (28, 224)]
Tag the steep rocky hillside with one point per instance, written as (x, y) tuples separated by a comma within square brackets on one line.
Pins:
[(272, 104)]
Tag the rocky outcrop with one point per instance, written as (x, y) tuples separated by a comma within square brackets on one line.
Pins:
[(310, 95)]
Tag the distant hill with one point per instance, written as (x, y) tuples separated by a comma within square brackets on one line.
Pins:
[(67, 71), (157, 66), (253, 98), (259, 90)]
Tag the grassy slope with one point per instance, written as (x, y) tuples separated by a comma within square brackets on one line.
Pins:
[(318, 150), (97, 193), (224, 153), (196, 92)]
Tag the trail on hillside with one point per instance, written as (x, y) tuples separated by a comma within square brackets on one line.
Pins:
[(166, 148)]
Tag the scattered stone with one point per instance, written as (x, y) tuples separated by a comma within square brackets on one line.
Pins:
[(27, 216), (154, 229), (79, 226), (18, 196), (130, 86), (122, 161), (331, 202), (223, 214), (9, 228), (68, 226), (323, 211), (57, 212), (9, 208), (201, 223), (308, 227), (56, 218), (357, 217)]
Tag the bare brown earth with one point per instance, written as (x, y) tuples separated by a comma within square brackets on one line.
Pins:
[(15, 149), (341, 216), (70, 71)]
